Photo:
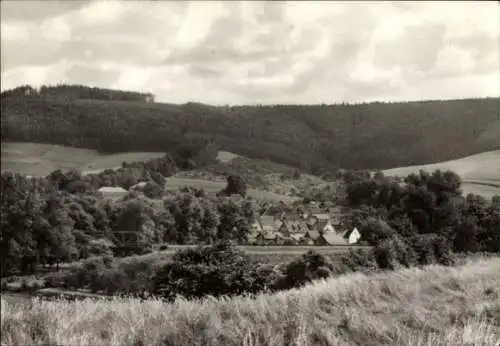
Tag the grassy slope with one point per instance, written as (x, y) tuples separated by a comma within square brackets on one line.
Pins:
[(480, 173), (433, 306), (40, 159)]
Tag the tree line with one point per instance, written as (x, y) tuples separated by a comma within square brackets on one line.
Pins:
[(423, 210)]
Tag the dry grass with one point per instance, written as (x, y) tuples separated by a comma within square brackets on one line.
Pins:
[(433, 306), (39, 159), (480, 173)]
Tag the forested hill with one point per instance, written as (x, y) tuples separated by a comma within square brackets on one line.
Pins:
[(363, 136)]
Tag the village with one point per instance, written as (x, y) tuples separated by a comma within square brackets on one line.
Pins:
[(315, 227)]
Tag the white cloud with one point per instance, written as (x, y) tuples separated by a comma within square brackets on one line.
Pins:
[(56, 29), (276, 52)]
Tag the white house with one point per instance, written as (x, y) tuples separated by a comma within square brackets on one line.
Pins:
[(354, 236), (112, 192)]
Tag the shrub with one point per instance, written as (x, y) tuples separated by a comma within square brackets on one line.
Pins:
[(154, 190), (310, 266), (357, 260), (100, 247), (395, 252), (432, 248), (215, 270)]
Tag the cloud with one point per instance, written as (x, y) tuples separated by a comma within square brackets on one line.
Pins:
[(256, 52)]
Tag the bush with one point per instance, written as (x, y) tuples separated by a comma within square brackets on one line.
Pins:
[(310, 266), (395, 252), (357, 260), (432, 248), (215, 270), (154, 190), (104, 274)]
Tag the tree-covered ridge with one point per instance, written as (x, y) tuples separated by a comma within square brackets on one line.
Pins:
[(67, 92), (312, 137)]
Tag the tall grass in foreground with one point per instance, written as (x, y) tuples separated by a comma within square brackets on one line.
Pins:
[(431, 306)]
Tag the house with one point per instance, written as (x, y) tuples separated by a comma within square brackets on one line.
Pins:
[(313, 218), (256, 227), (282, 240), (312, 235), (325, 227), (269, 223), (332, 238), (112, 192), (297, 237), (335, 216), (306, 241), (138, 186), (269, 238), (293, 227), (255, 230), (353, 236), (321, 223)]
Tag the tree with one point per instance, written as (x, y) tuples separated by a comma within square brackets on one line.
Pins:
[(190, 220), (374, 231), (154, 190), (236, 219), (235, 186), (310, 266), (215, 270)]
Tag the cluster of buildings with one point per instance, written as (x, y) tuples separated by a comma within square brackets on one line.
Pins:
[(311, 228)]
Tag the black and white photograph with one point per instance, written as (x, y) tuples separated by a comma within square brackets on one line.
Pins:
[(250, 173)]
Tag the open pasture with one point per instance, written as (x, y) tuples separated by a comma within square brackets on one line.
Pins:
[(212, 187), (480, 173), (38, 159)]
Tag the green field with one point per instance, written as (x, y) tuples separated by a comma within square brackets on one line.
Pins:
[(480, 173)]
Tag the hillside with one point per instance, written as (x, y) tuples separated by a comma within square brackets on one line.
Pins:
[(480, 173), (363, 136), (430, 306), (37, 159)]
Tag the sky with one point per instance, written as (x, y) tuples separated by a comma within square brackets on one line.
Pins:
[(232, 52)]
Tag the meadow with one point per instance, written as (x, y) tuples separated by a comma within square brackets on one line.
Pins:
[(433, 305), (37, 159), (480, 173)]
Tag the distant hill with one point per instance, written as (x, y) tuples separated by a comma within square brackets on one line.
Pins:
[(480, 173), (363, 136)]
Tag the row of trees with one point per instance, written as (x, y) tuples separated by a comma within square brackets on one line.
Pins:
[(42, 222), (424, 204), (77, 92)]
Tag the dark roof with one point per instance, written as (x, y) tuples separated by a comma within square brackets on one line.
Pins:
[(296, 226), (333, 238), (322, 216), (313, 234)]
